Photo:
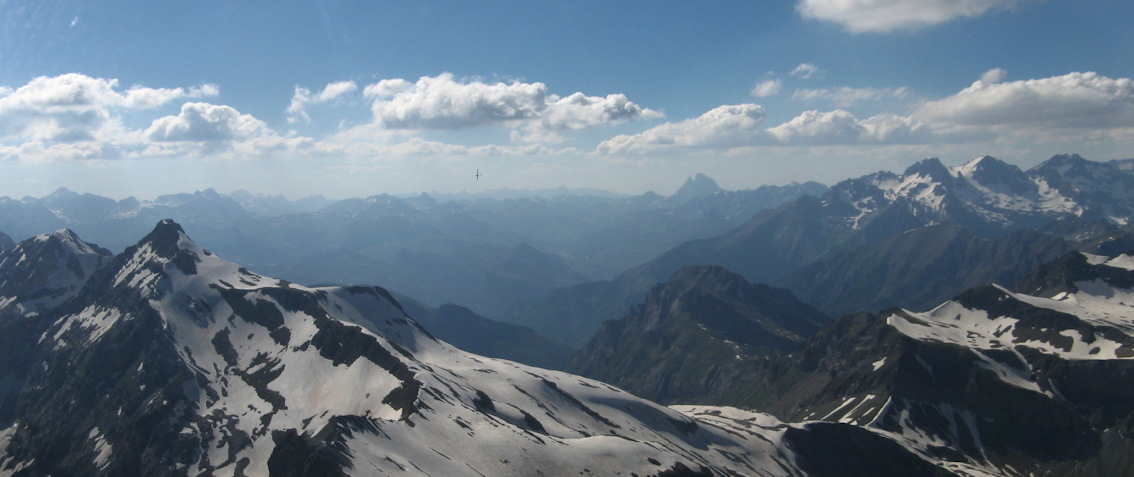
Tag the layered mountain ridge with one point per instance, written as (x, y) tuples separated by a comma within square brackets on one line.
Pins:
[(172, 360), (1033, 380), (1067, 197), (414, 244)]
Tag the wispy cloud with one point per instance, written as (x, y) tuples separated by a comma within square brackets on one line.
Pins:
[(845, 97), (805, 70), (303, 97), (768, 87)]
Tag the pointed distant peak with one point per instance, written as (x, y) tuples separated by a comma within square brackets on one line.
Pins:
[(425, 200), (63, 191), (931, 167), (699, 185), (701, 182)]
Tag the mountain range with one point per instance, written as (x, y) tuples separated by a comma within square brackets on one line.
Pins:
[(1001, 219), (971, 320), (169, 360), (466, 250), (1033, 380)]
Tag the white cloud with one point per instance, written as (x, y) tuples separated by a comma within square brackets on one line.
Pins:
[(724, 126), (579, 111), (443, 103), (297, 110), (805, 70), (75, 107), (845, 97), (820, 128), (895, 129), (994, 75), (1075, 100), (882, 16), (203, 122), (766, 88)]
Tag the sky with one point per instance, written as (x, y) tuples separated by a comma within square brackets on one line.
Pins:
[(354, 98)]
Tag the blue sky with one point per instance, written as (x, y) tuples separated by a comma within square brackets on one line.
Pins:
[(353, 98)]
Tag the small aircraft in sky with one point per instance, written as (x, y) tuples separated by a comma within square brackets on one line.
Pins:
[(478, 174)]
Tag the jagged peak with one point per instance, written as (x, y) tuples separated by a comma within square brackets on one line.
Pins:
[(699, 185)]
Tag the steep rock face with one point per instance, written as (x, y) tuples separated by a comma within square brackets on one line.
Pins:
[(6, 241), (173, 361), (695, 336), (993, 379), (35, 276)]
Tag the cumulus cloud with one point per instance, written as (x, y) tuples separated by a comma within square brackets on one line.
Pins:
[(769, 87), (882, 16), (442, 102), (805, 70), (839, 127), (1075, 100), (819, 128), (994, 75), (724, 126), (75, 107), (203, 122), (303, 97), (579, 111), (845, 97)]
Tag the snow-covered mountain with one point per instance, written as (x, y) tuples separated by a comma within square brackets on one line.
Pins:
[(51, 269), (988, 195), (1067, 197), (1033, 381), (171, 360)]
